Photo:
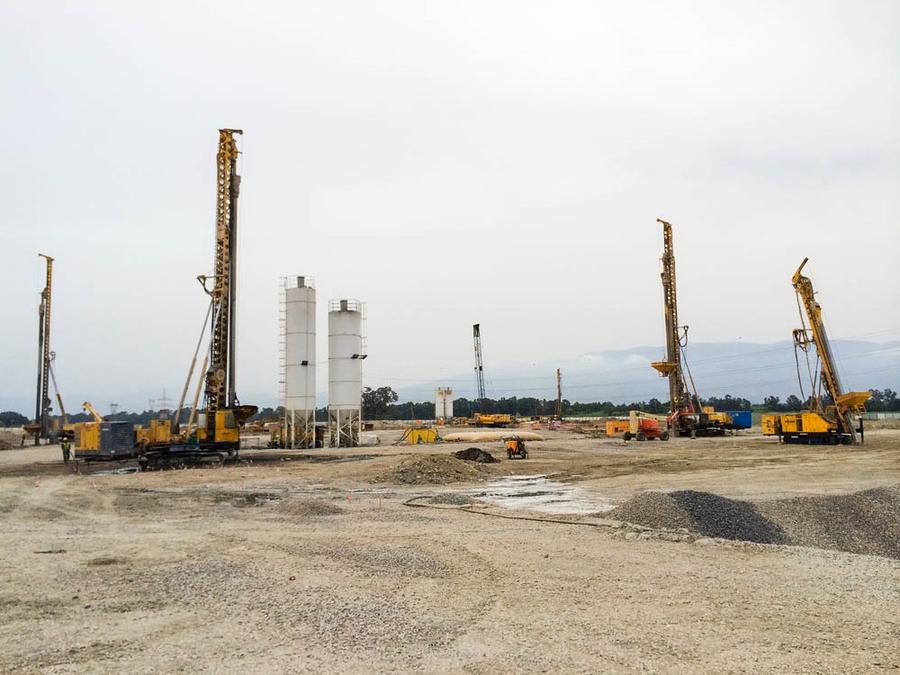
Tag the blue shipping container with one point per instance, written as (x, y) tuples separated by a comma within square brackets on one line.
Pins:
[(741, 419)]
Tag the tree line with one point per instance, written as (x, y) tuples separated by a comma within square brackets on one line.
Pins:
[(381, 404)]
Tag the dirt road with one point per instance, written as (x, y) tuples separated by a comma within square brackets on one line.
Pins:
[(312, 562)]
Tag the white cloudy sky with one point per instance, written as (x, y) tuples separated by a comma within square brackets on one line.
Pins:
[(448, 163)]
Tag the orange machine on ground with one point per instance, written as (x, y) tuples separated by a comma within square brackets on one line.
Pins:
[(639, 426)]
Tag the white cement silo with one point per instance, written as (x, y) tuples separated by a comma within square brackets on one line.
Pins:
[(345, 357), (299, 362), (443, 404)]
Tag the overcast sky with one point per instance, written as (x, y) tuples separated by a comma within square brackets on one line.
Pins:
[(448, 163)]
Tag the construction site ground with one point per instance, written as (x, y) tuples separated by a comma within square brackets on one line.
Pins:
[(405, 558)]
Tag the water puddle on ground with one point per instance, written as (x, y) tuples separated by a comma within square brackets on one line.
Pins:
[(541, 493), (115, 472)]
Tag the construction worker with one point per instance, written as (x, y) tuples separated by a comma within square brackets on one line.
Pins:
[(66, 448)]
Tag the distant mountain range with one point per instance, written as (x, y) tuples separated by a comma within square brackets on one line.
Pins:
[(746, 369)]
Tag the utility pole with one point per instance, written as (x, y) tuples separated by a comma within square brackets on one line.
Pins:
[(42, 402)]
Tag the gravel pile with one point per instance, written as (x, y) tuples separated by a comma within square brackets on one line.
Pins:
[(431, 469), (651, 509), (475, 455), (335, 617), (452, 499), (308, 508), (700, 512), (399, 562), (865, 522)]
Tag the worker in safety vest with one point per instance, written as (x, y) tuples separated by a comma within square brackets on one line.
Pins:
[(66, 449)]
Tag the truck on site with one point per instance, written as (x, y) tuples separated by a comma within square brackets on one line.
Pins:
[(496, 420), (639, 426), (687, 416), (830, 417)]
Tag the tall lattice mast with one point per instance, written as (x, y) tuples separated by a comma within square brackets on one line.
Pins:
[(558, 393), (479, 364), (672, 367), (220, 378), (42, 404)]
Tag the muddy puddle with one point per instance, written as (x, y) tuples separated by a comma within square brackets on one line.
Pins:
[(121, 471), (542, 493)]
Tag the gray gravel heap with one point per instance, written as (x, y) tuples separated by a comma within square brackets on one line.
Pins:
[(865, 522), (701, 512), (299, 506)]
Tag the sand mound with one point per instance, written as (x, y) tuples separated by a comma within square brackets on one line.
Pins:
[(484, 436), (431, 469), (308, 508), (11, 438), (865, 522), (475, 455)]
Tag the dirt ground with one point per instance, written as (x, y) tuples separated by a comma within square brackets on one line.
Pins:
[(317, 561)]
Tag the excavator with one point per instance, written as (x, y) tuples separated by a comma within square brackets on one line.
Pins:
[(829, 421), (215, 437), (687, 417)]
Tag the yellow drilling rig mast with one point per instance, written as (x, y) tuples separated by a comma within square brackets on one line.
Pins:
[(217, 433), (686, 416), (41, 425), (830, 417)]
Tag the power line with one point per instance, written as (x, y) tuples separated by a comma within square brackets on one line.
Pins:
[(706, 375), (711, 359)]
